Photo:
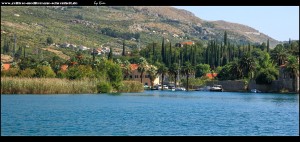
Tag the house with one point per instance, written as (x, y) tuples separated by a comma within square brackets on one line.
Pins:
[(81, 47), (181, 44), (5, 67), (63, 68), (211, 75), (136, 76)]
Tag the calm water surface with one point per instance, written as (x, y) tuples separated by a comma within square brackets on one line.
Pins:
[(151, 113)]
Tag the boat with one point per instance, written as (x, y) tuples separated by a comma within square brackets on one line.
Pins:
[(216, 88), (255, 91), (206, 88), (180, 89)]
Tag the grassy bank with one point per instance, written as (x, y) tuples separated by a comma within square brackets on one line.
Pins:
[(10, 85)]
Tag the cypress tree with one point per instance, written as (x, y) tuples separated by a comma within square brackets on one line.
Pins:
[(170, 56), (15, 44), (249, 48), (163, 50), (24, 51), (153, 52), (268, 46), (93, 54), (110, 54), (225, 38), (240, 51), (123, 52)]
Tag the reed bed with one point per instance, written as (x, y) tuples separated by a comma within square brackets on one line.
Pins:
[(17, 85), (11, 85), (131, 86)]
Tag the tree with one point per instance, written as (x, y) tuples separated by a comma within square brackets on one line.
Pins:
[(44, 71), (263, 46), (266, 76), (268, 46), (152, 71), (201, 70), (163, 55), (123, 52), (174, 70), (292, 67), (110, 55), (6, 47), (126, 68), (115, 75), (49, 41), (163, 70), (247, 64), (225, 38), (187, 69), (279, 54), (143, 67)]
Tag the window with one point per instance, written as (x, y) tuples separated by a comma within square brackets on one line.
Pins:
[(130, 76)]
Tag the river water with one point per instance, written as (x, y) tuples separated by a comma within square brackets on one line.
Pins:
[(151, 113)]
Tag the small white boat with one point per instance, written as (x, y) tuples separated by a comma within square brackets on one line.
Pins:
[(255, 91), (180, 89), (216, 88)]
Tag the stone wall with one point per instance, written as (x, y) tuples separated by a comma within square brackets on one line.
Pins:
[(230, 85), (240, 86), (275, 86)]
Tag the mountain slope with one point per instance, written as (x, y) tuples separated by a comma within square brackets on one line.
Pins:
[(109, 25)]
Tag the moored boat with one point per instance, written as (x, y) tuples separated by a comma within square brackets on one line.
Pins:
[(216, 88)]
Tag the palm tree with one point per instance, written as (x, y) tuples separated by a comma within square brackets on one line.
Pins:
[(279, 55), (247, 64), (187, 69), (162, 70), (152, 74), (174, 71), (292, 67), (125, 66), (236, 71), (143, 67)]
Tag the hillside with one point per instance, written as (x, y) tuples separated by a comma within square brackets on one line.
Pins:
[(108, 26)]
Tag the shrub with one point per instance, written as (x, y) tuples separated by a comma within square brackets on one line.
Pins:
[(104, 87), (61, 74), (12, 72), (131, 86), (266, 76), (44, 71), (27, 73)]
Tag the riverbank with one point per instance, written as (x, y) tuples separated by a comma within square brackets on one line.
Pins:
[(11, 85)]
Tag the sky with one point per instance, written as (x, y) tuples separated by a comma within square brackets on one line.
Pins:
[(278, 22)]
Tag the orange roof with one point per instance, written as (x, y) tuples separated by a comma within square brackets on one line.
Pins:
[(210, 75), (134, 66), (187, 43), (63, 67), (6, 66)]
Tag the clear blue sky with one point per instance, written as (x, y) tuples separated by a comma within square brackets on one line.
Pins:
[(278, 22)]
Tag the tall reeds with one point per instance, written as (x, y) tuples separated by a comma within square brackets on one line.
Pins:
[(16, 85), (10, 85)]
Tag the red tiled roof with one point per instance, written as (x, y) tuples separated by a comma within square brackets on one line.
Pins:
[(134, 66), (187, 43), (63, 67), (210, 75), (6, 66)]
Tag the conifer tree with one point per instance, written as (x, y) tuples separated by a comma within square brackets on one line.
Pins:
[(110, 56), (123, 52), (268, 46)]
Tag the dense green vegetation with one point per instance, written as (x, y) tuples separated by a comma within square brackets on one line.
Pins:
[(29, 36)]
